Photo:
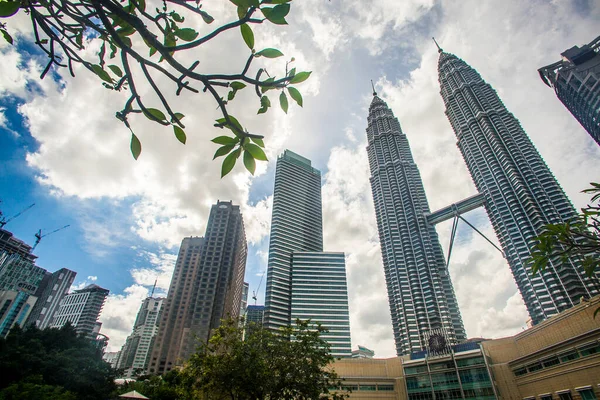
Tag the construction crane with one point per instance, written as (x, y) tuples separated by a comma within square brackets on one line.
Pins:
[(39, 236), (255, 292), (4, 221)]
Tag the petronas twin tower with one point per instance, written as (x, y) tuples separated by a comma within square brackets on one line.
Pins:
[(515, 186)]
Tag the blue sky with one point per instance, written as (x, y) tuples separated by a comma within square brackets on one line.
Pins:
[(62, 148)]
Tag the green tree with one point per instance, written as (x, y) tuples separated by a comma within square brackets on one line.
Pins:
[(263, 365), (53, 361), (165, 387), (578, 239), (139, 43)]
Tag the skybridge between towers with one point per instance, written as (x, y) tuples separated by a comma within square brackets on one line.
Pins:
[(455, 210)]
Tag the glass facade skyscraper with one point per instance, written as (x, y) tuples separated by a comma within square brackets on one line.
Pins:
[(296, 225), (320, 293), (521, 194), (420, 293), (576, 81)]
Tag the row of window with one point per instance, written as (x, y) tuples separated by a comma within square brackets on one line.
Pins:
[(586, 393), (564, 357)]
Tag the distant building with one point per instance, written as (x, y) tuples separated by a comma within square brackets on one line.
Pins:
[(112, 357), (244, 304), (82, 309), (135, 353), (55, 286), (320, 293), (255, 315), (206, 287), (15, 306), (575, 81), (363, 352)]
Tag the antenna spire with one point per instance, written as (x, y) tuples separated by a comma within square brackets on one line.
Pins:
[(373, 86), (438, 46), (153, 287)]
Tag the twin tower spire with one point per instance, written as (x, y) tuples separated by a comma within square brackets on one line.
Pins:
[(517, 189)]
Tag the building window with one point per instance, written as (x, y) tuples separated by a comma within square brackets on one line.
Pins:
[(587, 394), (565, 395)]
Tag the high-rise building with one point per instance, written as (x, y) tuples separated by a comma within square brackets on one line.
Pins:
[(296, 225), (244, 304), (134, 356), (363, 352), (521, 194), (82, 309), (255, 315), (53, 289), (420, 293), (12, 245), (206, 287), (575, 80), (320, 293), (15, 306), (20, 273)]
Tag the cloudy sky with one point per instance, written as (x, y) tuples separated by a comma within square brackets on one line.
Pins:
[(62, 148)]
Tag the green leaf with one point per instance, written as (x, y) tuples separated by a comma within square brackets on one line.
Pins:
[(157, 114), (256, 152), (179, 116), (276, 14), (206, 17), (116, 70), (258, 141), (283, 102), (249, 162), (221, 151), (179, 134), (226, 140), (141, 4), (269, 53), (136, 146), (241, 12), (237, 85), (7, 36), (292, 72), (265, 103), (187, 34), (177, 17), (300, 77), (231, 95), (8, 8), (241, 3), (234, 123), (295, 94), (248, 35), (102, 73), (228, 163), (152, 52)]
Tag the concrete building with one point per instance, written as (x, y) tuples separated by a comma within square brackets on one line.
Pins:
[(520, 194), (558, 359), (15, 306), (420, 293), (55, 286), (206, 287), (20, 273), (575, 81), (362, 352), (135, 354), (320, 293), (82, 309), (244, 305), (12, 245), (112, 357), (296, 225)]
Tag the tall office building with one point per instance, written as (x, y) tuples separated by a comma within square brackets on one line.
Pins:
[(12, 245), (255, 315), (521, 194), (420, 293), (135, 353), (20, 273), (15, 307), (244, 305), (576, 81), (320, 293), (296, 225), (53, 289), (82, 309), (206, 287)]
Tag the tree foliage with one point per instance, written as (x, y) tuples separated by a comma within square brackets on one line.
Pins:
[(144, 40), (54, 364), (578, 239), (263, 365)]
